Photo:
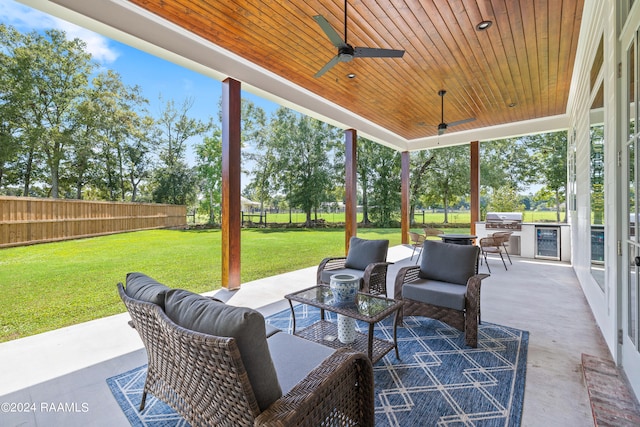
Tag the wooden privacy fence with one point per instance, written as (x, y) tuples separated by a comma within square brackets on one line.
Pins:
[(28, 220)]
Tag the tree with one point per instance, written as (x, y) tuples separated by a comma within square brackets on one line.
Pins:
[(174, 181), (385, 195), (507, 162), (506, 199), (448, 177), (304, 148), (136, 162), (255, 139), (550, 160), (209, 169), (109, 124), (50, 77), (367, 154), (10, 140), (420, 163)]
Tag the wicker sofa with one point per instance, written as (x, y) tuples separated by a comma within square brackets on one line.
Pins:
[(217, 364), (445, 286)]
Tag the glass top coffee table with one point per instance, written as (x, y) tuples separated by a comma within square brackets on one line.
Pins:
[(366, 307)]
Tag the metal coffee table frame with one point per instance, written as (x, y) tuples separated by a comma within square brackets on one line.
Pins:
[(368, 308)]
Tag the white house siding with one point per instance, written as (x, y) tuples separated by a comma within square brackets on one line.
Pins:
[(596, 24), (601, 19)]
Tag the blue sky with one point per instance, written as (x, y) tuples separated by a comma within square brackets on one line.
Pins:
[(154, 76)]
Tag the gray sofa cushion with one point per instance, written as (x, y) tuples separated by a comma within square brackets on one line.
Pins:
[(364, 252), (325, 275), (271, 330), (295, 357), (438, 259), (198, 313), (144, 288), (442, 294)]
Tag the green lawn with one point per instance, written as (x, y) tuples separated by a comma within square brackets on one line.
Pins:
[(454, 217), (52, 285)]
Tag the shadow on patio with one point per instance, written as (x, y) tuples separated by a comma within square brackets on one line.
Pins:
[(58, 378)]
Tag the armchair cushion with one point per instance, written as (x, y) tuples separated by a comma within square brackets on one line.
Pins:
[(448, 262), (437, 293), (144, 288), (247, 326), (364, 252)]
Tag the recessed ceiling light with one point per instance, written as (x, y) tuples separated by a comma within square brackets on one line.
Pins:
[(513, 104), (483, 25), (351, 75)]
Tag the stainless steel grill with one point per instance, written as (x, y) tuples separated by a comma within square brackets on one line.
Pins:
[(504, 221)]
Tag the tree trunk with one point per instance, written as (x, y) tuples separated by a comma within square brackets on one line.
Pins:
[(121, 174), (27, 173), (446, 210), (557, 205), (54, 181), (79, 188), (212, 217)]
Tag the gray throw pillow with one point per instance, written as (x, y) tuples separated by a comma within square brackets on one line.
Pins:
[(247, 326), (364, 252), (448, 262), (144, 288)]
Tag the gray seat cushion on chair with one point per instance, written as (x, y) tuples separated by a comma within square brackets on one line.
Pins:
[(448, 262), (364, 252), (295, 357), (325, 275), (247, 326), (144, 288), (270, 330), (437, 293)]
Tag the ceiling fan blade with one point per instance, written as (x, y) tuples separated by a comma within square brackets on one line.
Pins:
[(328, 66), (372, 52), (460, 122), (333, 36)]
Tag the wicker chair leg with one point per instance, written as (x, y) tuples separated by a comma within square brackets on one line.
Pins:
[(143, 401), (507, 252), (471, 335), (503, 263), (484, 254)]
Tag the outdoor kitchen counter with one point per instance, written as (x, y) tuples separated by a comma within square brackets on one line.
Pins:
[(523, 241)]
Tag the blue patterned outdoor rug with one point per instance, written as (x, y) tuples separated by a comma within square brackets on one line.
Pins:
[(438, 381)]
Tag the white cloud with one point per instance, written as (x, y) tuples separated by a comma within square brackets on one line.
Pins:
[(27, 19)]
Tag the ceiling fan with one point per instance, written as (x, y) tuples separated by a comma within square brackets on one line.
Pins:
[(346, 52), (442, 127)]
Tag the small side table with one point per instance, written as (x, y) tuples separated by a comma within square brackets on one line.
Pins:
[(368, 308)]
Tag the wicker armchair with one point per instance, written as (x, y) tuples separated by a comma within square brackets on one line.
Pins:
[(366, 259), (432, 232), (445, 286), (203, 378), (416, 241), (505, 237), (492, 245)]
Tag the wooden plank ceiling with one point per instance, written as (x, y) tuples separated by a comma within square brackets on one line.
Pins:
[(518, 69)]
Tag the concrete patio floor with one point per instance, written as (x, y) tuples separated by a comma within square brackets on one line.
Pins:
[(58, 378)]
